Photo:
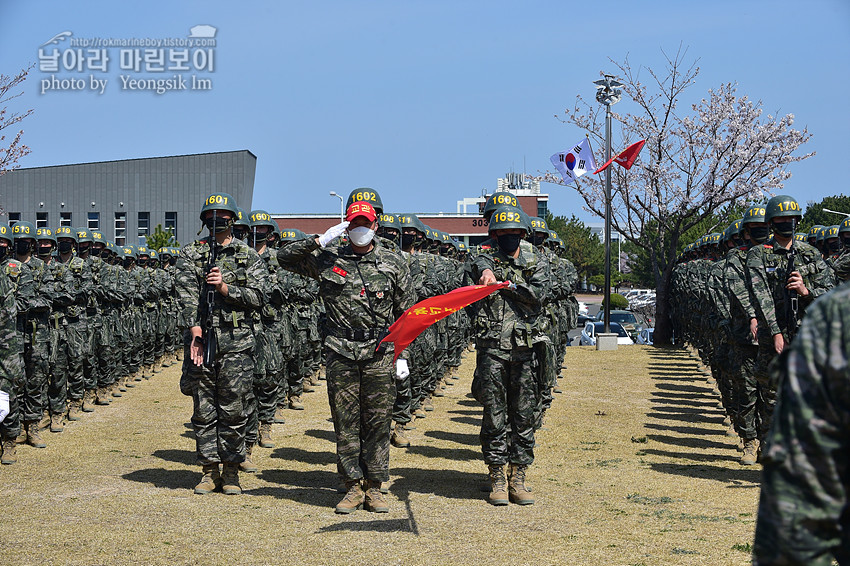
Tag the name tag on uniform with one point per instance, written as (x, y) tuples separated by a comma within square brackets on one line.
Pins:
[(770, 269)]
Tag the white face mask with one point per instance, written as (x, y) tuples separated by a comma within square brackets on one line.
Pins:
[(361, 236)]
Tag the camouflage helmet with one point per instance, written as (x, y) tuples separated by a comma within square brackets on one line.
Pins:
[(411, 221), (497, 199), (365, 194), (45, 234), (813, 233), (5, 232), (128, 252), (507, 218), (844, 227), (822, 234), (389, 222), (800, 237), (23, 230), (291, 234), (781, 206), (142, 251), (431, 234), (83, 236), (163, 252), (65, 232), (153, 255), (220, 201), (97, 238), (241, 219), (831, 232), (754, 214)]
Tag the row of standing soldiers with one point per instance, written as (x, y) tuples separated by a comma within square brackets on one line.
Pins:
[(738, 298)]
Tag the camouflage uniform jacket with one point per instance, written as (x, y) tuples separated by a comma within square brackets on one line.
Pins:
[(508, 319), (72, 286), (385, 285), (11, 363), (802, 517), (735, 287), (33, 287), (245, 275), (766, 266)]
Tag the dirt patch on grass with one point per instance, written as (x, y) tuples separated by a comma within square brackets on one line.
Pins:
[(633, 467)]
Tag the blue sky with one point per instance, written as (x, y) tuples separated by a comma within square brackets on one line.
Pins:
[(428, 102)]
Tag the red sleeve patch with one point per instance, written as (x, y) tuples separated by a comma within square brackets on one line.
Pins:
[(339, 271), (768, 247)]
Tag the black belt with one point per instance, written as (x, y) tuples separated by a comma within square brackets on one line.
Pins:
[(356, 334)]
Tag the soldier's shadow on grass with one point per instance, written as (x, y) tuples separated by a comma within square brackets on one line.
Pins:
[(696, 456), (388, 526), (445, 453), (188, 457), (698, 431), (693, 418), (328, 435), (467, 420), (716, 473), (468, 403), (689, 401), (313, 487), (160, 477), (292, 454), (680, 388), (690, 442), (460, 438)]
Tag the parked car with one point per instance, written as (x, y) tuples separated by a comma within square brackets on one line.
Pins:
[(582, 308), (645, 336), (591, 329), (627, 319)]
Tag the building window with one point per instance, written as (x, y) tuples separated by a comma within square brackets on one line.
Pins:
[(41, 220), (171, 222), (64, 219), (144, 225), (542, 208), (94, 221), (14, 218), (120, 228)]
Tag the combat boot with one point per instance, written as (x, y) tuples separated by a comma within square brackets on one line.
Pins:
[(115, 389), (157, 366), (75, 409), (751, 450), (278, 415), (438, 391), (295, 403), (498, 486), (88, 401), (266, 435), (102, 396), (21, 437), (57, 422), (248, 465), (122, 384), (230, 479), (307, 386), (353, 500), (398, 439), (166, 361), (137, 375), (10, 449), (148, 373), (178, 355), (34, 435), (374, 500), (210, 481), (45, 420), (517, 491), (427, 404)]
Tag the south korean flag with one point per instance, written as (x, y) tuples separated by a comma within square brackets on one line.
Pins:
[(574, 163)]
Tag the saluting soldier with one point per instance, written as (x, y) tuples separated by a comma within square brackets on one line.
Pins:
[(365, 288)]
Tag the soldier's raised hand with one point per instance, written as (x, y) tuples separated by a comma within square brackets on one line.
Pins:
[(332, 234)]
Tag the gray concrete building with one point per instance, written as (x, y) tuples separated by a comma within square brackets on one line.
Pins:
[(126, 199)]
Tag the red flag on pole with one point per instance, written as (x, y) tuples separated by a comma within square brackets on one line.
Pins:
[(426, 312), (626, 158)]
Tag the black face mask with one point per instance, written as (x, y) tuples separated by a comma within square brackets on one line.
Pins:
[(759, 234), (538, 239), (784, 229), (128, 261), (739, 243), (259, 237), (509, 242), (23, 247), (84, 249), (218, 224), (407, 240), (834, 247), (846, 242), (96, 251), (141, 262), (65, 247), (45, 251), (4, 251), (172, 261)]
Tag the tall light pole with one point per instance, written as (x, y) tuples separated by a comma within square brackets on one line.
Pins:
[(608, 93), (341, 205)]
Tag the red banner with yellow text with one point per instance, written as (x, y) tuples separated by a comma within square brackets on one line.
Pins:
[(425, 313)]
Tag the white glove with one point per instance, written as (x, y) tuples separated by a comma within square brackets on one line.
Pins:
[(401, 369), (332, 234), (4, 405)]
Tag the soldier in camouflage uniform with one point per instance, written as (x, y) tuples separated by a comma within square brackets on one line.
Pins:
[(365, 288), (34, 294), (841, 265), (507, 328), (12, 373), (218, 392), (776, 291), (802, 517)]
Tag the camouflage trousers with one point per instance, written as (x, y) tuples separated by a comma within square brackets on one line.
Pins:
[(361, 395), (67, 382), (219, 418), (506, 383), (36, 336), (91, 366), (10, 428)]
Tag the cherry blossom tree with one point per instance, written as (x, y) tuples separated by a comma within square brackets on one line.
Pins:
[(699, 159), (10, 154)]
